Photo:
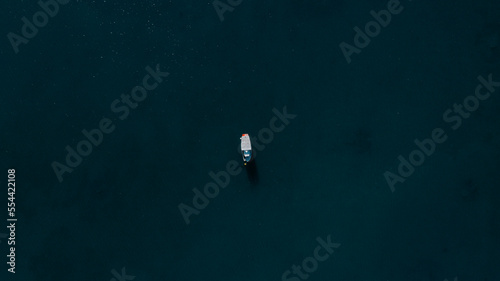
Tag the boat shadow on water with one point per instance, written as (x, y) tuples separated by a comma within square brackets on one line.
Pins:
[(252, 173)]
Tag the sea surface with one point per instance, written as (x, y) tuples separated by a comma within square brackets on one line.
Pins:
[(377, 136)]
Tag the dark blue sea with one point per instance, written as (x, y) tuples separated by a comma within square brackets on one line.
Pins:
[(374, 129)]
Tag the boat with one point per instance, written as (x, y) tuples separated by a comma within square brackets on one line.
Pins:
[(246, 148)]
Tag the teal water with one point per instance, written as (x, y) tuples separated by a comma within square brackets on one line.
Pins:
[(322, 175)]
